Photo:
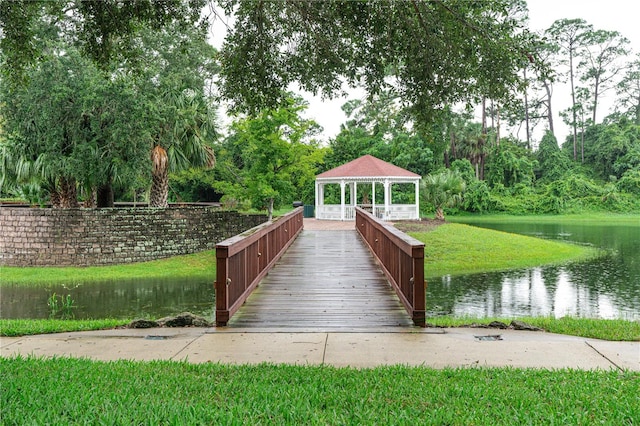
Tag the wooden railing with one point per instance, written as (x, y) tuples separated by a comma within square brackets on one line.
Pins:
[(242, 261), (401, 258)]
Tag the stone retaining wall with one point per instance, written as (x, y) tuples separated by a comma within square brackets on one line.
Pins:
[(86, 237)]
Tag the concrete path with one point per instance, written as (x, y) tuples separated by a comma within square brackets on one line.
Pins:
[(436, 348)]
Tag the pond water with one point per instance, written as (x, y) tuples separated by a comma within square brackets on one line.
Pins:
[(606, 287), (122, 299)]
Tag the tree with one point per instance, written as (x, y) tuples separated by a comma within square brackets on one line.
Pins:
[(442, 190), (70, 126), (600, 63), (381, 127), (467, 141), (183, 139), (176, 64), (274, 156), (569, 35), (162, 87), (434, 53), (103, 30), (553, 163), (510, 164), (612, 149), (628, 91), (540, 85)]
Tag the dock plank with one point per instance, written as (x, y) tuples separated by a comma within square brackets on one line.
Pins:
[(326, 280)]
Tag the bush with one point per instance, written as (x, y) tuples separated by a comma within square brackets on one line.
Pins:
[(477, 197), (630, 182), (193, 185)]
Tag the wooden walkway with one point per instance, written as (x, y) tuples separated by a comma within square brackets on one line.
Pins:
[(327, 280)]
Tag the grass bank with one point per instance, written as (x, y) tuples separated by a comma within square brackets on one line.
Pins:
[(615, 330), (600, 219), (25, 327), (197, 265), (79, 391), (457, 249)]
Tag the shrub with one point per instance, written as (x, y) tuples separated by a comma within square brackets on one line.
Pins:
[(630, 182)]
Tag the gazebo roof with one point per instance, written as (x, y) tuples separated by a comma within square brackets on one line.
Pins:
[(367, 166)]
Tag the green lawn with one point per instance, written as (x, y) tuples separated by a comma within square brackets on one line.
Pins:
[(79, 391)]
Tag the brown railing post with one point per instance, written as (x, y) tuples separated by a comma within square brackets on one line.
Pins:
[(242, 261), (222, 296), (419, 290), (402, 260)]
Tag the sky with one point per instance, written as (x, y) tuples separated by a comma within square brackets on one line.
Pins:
[(613, 15)]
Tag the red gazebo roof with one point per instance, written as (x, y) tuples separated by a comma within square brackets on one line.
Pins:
[(367, 166)]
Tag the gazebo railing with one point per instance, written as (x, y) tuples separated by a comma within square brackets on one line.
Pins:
[(402, 260), (394, 212)]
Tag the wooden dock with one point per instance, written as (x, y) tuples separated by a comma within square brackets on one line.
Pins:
[(327, 280)]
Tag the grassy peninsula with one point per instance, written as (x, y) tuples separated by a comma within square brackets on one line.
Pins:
[(456, 249)]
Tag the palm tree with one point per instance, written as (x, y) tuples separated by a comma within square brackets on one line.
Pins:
[(444, 189), (183, 141)]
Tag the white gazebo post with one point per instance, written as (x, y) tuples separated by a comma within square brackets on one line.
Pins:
[(316, 187), (342, 196), (386, 199), (417, 185), (373, 198), (354, 195)]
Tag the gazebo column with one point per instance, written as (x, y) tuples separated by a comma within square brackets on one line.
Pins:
[(354, 194), (387, 198), (342, 197), (317, 190), (373, 198), (417, 185)]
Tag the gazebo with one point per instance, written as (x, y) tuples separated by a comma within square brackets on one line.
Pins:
[(366, 173)]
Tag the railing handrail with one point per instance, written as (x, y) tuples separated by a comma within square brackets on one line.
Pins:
[(243, 260), (406, 274)]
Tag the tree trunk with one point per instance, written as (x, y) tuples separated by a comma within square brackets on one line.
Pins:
[(439, 213), (547, 88), (498, 125), (90, 199), (67, 193), (270, 209), (574, 125), (160, 178), (526, 109), (54, 197)]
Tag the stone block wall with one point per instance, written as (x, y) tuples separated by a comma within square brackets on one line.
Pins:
[(87, 237)]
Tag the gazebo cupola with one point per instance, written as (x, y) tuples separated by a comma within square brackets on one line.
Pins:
[(366, 173)]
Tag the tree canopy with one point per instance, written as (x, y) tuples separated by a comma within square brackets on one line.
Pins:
[(433, 52), (102, 29), (268, 158)]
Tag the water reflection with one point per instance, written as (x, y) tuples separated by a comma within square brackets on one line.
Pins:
[(607, 287), (121, 299)]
